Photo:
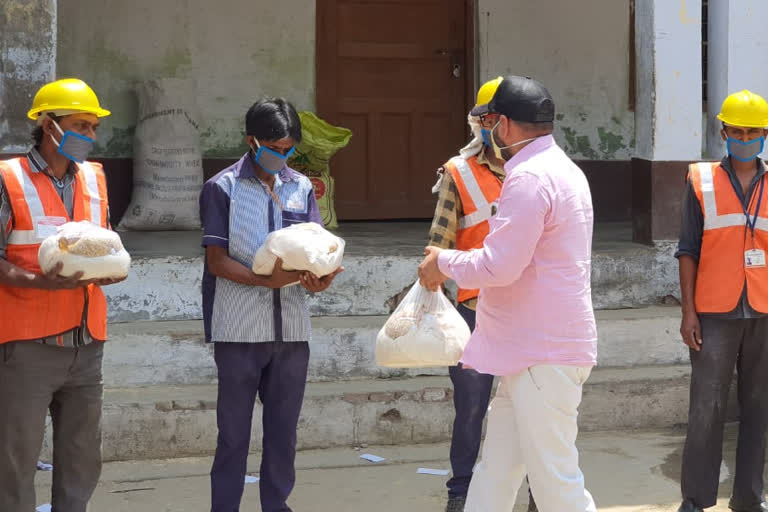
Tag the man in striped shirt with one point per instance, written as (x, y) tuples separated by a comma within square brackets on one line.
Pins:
[(260, 330)]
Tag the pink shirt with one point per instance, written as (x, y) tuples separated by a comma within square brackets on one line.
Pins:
[(533, 271)]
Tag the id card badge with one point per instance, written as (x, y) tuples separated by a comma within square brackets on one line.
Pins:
[(295, 205), (754, 258), (46, 226)]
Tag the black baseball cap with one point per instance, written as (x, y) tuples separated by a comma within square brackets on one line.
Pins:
[(523, 99)]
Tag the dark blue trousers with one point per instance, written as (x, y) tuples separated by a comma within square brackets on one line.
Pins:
[(471, 394), (277, 372)]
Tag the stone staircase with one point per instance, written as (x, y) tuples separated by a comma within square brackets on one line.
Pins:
[(160, 377)]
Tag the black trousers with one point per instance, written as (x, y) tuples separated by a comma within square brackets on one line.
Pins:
[(727, 344)]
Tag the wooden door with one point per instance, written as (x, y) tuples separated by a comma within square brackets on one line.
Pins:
[(398, 73)]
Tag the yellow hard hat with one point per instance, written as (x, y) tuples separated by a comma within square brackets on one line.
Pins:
[(484, 96), (744, 108), (67, 96)]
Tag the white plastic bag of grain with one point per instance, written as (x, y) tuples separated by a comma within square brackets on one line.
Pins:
[(303, 246), (425, 330), (85, 247), (167, 164)]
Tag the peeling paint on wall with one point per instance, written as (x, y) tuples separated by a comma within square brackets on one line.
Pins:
[(576, 144), (588, 79), (119, 143), (27, 61), (610, 143), (223, 141)]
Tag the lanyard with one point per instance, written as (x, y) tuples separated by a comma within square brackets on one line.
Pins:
[(280, 204), (751, 224)]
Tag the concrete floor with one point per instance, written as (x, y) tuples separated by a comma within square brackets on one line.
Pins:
[(406, 238), (625, 471)]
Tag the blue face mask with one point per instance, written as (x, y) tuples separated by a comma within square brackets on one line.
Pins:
[(745, 151), (269, 160), (486, 135), (73, 145)]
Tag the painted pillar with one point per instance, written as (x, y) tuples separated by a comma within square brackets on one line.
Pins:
[(737, 58), (27, 61), (668, 112)]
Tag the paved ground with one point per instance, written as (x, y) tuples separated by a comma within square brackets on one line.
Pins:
[(626, 471)]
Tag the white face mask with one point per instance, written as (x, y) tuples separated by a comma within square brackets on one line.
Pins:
[(497, 150)]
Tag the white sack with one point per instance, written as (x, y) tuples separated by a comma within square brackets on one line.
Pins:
[(85, 247), (305, 246), (167, 163)]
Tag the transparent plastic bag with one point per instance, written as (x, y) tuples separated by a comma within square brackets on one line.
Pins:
[(425, 330), (85, 247)]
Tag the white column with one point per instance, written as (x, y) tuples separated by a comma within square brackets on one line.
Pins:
[(737, 58), (27, 61), (668, 110)]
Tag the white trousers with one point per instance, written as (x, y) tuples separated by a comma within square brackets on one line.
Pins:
[(532, 430)]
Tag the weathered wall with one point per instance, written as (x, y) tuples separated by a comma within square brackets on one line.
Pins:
[(236, 51), (737, 58), (580, 51), (27, 61), (669, 80)]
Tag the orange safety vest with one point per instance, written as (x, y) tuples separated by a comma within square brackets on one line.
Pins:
[(722, 271), (30, 313), (479, 190)]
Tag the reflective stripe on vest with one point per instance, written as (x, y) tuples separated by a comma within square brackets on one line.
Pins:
[(479, 191), (30, 313), (32, 199), (483, 209), (92, 184), (26, 236), (722, 275), (711, 219)]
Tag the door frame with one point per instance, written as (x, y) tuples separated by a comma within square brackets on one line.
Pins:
[(325, 40)]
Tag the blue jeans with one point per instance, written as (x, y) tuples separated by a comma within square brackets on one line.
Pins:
[(471, 394)]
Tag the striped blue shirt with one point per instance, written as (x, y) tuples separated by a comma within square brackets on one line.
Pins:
[(238, 213)]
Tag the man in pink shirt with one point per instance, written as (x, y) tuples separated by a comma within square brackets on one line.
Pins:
[(535, 323)]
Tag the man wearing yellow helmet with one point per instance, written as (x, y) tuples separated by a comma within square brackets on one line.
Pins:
[(52, 326), (724, 288), (468, 189)]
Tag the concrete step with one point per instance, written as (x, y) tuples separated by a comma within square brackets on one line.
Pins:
[(168, 287), (151, 353), (165, 421)]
